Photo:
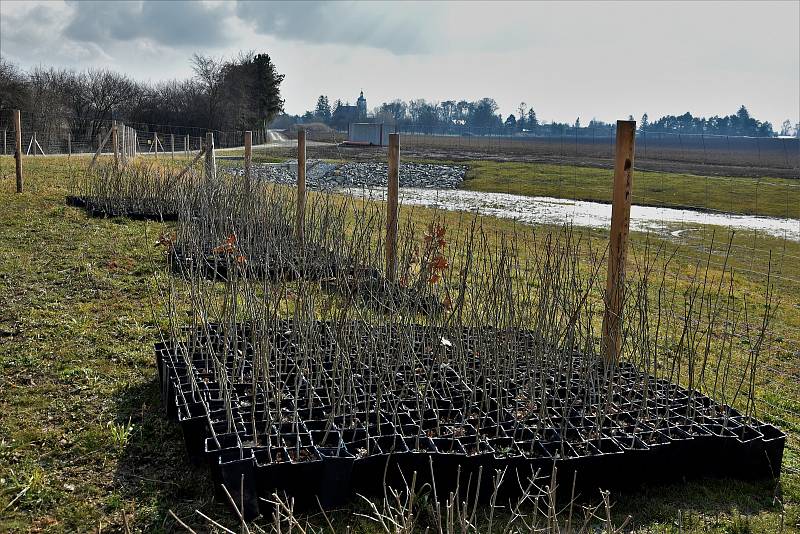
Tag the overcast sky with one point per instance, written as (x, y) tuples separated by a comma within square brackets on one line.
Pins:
[(567, 60)]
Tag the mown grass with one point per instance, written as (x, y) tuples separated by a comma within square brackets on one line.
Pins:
[(76, 334)]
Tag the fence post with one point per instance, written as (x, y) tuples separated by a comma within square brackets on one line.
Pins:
[(115, 142), (248, 155), (618, 240), (124, 144), (392, 193), (172, 143), (301, 186), (186, 145), (4, 142), (155, 143), (18, 149), (211, 162)]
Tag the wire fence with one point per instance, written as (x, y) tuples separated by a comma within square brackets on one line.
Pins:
[(724, 202), (597, 143), (68, 136), (727, 202)]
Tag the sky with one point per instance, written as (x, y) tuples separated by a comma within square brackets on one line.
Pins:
[(603, 60)]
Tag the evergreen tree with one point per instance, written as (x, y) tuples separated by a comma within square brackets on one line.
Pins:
[(268, 88), (533, 123), (323, 109)]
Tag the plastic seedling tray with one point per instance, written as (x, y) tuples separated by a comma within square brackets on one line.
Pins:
[(447, 461), (336, 478)]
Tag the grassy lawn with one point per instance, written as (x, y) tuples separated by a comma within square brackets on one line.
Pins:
[(84, 446)]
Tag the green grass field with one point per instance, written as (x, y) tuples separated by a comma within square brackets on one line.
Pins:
[(83, 444)]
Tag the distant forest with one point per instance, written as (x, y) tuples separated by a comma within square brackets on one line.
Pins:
[(481, 116), (244, 93), (224, 94)]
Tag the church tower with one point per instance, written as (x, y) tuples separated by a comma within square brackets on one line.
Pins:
[(361, 106)]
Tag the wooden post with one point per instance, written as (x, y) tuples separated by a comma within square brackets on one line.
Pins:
[(301, 186), (392, 194), (155, 143), (248, 155), (172, 142), (211, 162), (186, 145), (191, 163), (115, 142), (69, 143), (618, 240), (123, 143), (18, 149), (4, 142), (101, 142)]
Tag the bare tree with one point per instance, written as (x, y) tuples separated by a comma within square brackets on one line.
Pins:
[(210, 72), (13, 86)]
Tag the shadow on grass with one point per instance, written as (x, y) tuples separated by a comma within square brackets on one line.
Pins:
[(154, 471), (708, 502)]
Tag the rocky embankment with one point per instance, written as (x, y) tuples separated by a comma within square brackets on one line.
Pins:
[(322, 175)]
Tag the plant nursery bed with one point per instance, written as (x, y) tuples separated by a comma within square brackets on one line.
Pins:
[(300, 410), (136, 210), (216, 265)]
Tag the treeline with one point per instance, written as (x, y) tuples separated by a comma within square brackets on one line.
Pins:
[(481, 118), (740, 123), (224, 94)]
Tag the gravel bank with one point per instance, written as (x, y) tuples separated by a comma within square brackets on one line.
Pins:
[(322, 175)]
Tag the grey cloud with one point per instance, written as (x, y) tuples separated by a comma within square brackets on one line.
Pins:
[(174, 23), (397, 28), (35, 36)]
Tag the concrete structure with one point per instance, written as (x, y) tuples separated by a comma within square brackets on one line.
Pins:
[(368, 133)]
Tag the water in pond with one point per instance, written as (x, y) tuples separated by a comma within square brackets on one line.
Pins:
[(548, 210)]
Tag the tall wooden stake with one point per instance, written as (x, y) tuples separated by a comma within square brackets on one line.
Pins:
[(69, 144), (211, 162), (248, 154), (392, 194), (18, 149), (115, 142), (155, 143), (618, 240), (301, 186), (123, 143), (172, 143)]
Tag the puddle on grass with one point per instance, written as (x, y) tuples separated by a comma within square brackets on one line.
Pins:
[(557, 211)]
